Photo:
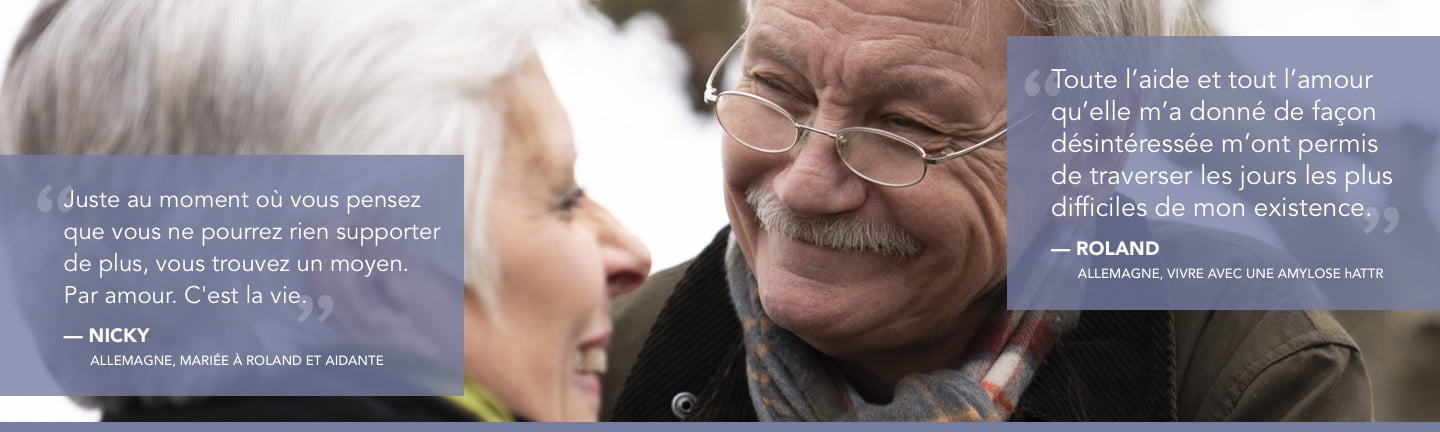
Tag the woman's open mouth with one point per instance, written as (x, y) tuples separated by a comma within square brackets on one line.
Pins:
[(590, 362)]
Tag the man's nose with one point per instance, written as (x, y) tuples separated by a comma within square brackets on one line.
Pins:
[(626, 259), (817, 182)]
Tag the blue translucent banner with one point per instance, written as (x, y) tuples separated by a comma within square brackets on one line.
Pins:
[(1223, 173), (231, 275)]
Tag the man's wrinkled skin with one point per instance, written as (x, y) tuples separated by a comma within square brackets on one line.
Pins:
[(900, 67)]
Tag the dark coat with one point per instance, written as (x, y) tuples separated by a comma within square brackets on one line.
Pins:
[(679, 333)]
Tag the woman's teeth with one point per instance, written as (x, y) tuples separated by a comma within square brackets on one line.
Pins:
[(590, 360)]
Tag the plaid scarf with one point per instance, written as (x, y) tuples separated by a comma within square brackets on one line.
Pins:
[(789, 380)]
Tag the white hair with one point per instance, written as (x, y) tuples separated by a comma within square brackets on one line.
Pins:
[(1091, 17), (1101, 17), (278, 77)]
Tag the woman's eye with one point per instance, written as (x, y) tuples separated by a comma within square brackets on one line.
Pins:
[(570, 200)]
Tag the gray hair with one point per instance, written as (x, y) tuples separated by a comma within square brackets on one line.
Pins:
[(274, 77), (277, 77), (1092, 17), (1100, 17)]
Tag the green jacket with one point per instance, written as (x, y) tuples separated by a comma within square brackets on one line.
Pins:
[(679, 334)]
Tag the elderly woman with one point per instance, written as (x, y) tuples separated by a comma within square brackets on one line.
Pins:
[(378, 77)]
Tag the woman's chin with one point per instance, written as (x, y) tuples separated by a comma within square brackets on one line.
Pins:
[(588, 384), (583, 404)]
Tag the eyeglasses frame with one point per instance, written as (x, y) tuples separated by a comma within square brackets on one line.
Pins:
[(712, 96)]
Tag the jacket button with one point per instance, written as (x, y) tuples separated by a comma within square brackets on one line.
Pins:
[(682, 404)]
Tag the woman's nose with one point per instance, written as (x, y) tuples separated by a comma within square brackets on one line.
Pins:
[(627, 260)]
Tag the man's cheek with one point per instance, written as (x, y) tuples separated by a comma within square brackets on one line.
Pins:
[(744, 167)]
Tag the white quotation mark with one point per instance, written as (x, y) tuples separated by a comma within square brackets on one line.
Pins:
[(1392, 215), (1032, 86), (45, 204), (326, 305)]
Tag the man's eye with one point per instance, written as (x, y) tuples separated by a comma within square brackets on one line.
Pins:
[(770, 84), (772, 88), (903, 125), (783, 95)]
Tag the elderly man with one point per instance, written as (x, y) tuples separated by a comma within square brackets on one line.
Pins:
[(863, 274)]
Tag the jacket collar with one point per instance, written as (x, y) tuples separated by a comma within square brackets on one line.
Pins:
[(1114, 366)]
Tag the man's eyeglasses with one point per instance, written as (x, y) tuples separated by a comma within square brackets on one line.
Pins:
[(881, 157)]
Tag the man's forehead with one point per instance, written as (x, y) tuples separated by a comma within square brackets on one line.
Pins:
[(937, 11), (789, 30), (938, 20), (899, 74)]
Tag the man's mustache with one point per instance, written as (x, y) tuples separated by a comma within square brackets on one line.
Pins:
[(847, 233)]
